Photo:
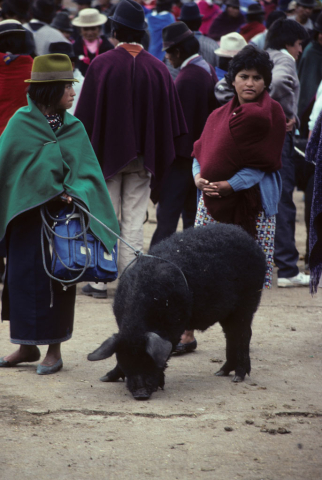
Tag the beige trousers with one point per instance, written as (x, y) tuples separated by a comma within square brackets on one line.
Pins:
[(129, 190)]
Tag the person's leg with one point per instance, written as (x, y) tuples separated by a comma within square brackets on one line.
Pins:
[(173, 200), (190, 205), (134, 203), (286, 254), (265, 234), (114, 187)]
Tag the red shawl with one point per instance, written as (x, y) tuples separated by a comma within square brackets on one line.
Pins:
[(249, 30), (12, 86), (238, 136)]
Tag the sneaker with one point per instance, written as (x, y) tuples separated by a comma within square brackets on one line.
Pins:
[(94, 292), (300, 280)]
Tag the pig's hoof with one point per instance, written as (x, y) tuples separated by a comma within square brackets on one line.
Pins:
[(110, 378), (237, 379), (141, 394), (221, 373)]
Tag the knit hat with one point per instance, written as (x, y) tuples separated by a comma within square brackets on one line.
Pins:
[(54, 67), (130, 14), (89, 17), (62, 22), (230, 45), (175, 33)]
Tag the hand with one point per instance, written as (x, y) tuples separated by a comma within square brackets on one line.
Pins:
[(223, 189), (290, 122), (66, 198)]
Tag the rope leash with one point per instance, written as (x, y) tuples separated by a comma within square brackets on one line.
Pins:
[(48, 232)]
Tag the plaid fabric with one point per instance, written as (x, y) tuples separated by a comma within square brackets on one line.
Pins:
[(265, 235), (207, 49)]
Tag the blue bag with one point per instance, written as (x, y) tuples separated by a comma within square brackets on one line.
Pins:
[(79, 256)]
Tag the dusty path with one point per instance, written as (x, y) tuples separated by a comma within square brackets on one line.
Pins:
[(71, 426)]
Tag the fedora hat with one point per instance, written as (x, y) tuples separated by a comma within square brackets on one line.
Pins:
[(54, 67), (65, 48), (175, 33), (230, 45), (89, 17), (254, 9), (306, 3), (130, 14), (232, 3), (190, 11), (11, 26), (62, 22)]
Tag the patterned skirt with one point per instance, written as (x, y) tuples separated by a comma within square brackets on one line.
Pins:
[(265, 235)]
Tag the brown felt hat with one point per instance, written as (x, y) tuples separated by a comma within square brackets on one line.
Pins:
[(55, 67)]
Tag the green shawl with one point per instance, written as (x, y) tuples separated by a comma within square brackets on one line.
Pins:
[(37, 165)]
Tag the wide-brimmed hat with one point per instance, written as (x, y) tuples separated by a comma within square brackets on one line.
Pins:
[(54, 67), (189, 12), (62, 22), (89, 17), (306, 3), (232, 3), (230, 45), (318, 24), (175, 33), (254, 9), (11, 27), (130, 14)]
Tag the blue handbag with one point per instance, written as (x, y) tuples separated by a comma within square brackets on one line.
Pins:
[(78, 256)]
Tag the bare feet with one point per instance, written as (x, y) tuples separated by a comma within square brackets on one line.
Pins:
[(25, 353), (52, 356), (187, 336)]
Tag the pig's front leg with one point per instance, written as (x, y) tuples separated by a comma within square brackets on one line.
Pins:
[(113, 375)]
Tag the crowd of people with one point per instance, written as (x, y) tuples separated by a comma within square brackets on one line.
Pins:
[(205, 108)]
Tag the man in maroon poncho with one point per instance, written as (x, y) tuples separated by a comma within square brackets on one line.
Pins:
[(196, 89), (132, 114)]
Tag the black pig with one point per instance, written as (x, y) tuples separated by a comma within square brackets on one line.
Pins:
[(216, 275)]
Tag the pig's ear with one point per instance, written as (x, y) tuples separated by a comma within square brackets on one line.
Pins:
[(105, 350), (158, 348)]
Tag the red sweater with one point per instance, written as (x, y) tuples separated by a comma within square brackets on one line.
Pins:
[(12, 86), (238, 136)]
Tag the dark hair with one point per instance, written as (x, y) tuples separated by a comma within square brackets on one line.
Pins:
[(127, 35), (276, 14), (12, 43), (284, 31), (188, 47), (162, 6), (47, 93), (247, 59), (193, 25), (223, 63), (255, 17)]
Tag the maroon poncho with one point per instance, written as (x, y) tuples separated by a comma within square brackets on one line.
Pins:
[(130, 106), (238, 136)]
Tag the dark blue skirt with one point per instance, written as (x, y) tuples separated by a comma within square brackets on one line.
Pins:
[(26, 294)]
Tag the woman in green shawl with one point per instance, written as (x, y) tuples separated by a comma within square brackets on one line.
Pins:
[(45, 156)]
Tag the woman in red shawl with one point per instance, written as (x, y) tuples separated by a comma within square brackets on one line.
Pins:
[(239, 153)]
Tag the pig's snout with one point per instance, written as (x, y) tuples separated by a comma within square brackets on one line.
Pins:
[(141, 394)]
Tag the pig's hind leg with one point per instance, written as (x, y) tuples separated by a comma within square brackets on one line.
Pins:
[(238, 332), (113, 375)]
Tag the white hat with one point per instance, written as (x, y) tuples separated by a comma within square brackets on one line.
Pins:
[(89, 17), (230, 44)]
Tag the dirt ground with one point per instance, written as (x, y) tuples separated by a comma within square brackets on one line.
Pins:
[(72, 426)]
